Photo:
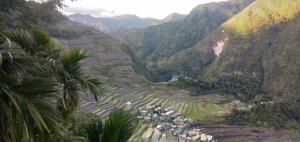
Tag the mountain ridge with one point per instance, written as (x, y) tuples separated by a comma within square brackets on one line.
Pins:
[(157, 43), (112, 24), (173, 17), (264, 54)]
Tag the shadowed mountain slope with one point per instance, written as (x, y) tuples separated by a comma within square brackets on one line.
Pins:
[(258, 41), (267, 51), (155, 44)]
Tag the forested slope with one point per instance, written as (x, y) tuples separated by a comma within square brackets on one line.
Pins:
[(259, 42), (156, 44)]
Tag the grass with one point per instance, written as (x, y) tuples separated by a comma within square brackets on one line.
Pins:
[(180, 107), (160, 102), (141, 129), (263, 13), (108, 99), (201, 113), (130, 96), (153, 101), (165, 103)]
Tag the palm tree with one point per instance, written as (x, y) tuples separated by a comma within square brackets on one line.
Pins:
[(118, 127), (26, 99), (74, 82), (35, 72)]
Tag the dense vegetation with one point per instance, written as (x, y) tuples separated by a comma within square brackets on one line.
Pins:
[(241, 86), (264, 52), (263, 13), (41, 80), (269, 54), (274, 113), (119, 127), (259, 56), (37, 75), (139, 67), (154, 45)]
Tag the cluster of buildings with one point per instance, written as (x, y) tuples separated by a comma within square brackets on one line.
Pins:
[(165, 121)]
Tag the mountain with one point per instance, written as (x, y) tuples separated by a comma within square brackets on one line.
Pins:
[(106, 52), (154, 45), (89, 20), (108, 55), (112, 24), (267, 49), (263, 13), (260, 15), (173, 18), (258, 41)]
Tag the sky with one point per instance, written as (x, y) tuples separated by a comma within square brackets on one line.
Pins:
[(143, 8)]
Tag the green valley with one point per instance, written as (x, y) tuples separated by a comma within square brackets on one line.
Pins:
[(228, 71)]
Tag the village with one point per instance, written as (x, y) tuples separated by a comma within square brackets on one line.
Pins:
[(170, 126)]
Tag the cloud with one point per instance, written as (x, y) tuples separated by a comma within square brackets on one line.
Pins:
[(142, 8), (97, 12)]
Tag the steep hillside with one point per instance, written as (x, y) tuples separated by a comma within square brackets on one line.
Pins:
[(198, 23), (112, 24), (259, 43), (269, 50), (160, 42), (108, 57), (263, 13), (266, 51), (108, 54)]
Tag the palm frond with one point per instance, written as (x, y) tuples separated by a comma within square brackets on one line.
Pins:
[(93, 85), (5, 45), (37, 96), (34, 73), (13, 57), (72, 61), (22, 38), (94, 130), (31, 110), (41, 39), (72, 70), (119, 126)]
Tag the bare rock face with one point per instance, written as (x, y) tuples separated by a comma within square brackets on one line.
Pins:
[(218, 49)]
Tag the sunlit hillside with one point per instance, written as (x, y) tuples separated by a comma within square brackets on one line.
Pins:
[(263, 13)]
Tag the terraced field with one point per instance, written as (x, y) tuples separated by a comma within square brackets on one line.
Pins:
[(228, 133), (223, 133), (195, 107), (140, 96), (145, 94), (122, 85)]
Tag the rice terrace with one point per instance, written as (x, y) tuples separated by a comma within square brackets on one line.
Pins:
[(149, 71)]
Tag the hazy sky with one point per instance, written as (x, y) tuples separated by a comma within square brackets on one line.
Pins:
[(142, 8)]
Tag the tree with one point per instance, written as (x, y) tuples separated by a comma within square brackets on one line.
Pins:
[(74, 81), (118, 127), (5, 4), (26, 109), (36, 72)]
